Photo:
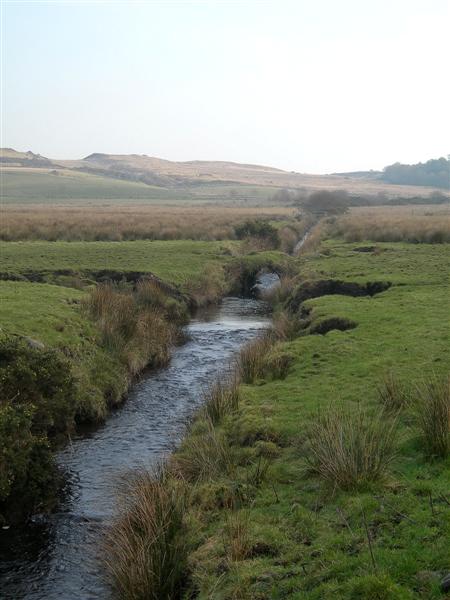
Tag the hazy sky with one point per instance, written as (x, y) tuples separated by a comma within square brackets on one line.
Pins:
[(307, 85)]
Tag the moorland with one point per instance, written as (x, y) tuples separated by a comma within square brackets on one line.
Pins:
[(321, 467)]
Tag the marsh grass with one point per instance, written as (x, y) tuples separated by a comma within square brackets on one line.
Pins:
[(236, 536), (396, 224), (145, 547), (433, 416), (124, 222), (392, 393), (138, 332), (251, 361), (350, 450), (220, 399), (204, 455)]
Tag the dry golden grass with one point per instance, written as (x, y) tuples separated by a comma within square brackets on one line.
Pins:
[(423, 223), (119, 222), (145, 547)]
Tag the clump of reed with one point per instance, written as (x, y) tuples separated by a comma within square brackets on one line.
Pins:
[(139, 332), (350, 450), (204, 455), (236, 536), (220, 399), (209, 286), (251, 361), (433, 416), (392, 394), (145, 547)]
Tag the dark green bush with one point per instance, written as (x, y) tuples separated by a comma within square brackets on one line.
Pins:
[(38, 398), (41, 379), (262, 230)]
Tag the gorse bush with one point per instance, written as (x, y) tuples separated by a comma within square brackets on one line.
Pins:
[(260, 230), (433, 416), (145, 546), (38, 399), (350, 450)]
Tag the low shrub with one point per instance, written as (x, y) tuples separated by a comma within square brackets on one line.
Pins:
[(260, 230), (433, 416), (145, 546), (350, 450)]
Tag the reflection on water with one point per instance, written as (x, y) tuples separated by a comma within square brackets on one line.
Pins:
[(55, 556)]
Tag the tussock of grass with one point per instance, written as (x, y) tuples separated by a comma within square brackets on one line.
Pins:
[(350, 450), (204, 455), (251, 362), (145, 547), (237, 540), (433, 416), (220, 399), (392, 394), (136, 330)]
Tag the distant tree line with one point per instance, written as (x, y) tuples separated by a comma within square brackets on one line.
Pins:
[(434, 173)]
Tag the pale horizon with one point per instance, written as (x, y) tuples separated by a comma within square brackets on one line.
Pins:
[(300, 86)]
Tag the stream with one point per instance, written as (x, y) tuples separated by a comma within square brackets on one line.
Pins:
[(56, 556)]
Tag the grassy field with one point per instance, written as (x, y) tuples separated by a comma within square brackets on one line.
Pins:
[(314, 540), (262, 523), (174, 261), (48, 313), (31, 186)]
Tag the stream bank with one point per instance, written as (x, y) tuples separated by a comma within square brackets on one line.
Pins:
[(55, 556)]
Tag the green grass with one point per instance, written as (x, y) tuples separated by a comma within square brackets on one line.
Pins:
[(308, 541), (47, 313), (174, 261), (32, 186), (401, 263)]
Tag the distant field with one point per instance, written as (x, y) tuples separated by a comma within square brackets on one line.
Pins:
[(145, 179), (32, 185), (174, 261)]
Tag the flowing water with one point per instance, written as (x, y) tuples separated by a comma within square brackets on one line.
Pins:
[(55, 557)]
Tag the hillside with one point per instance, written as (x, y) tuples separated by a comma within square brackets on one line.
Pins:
[(27, 176)]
